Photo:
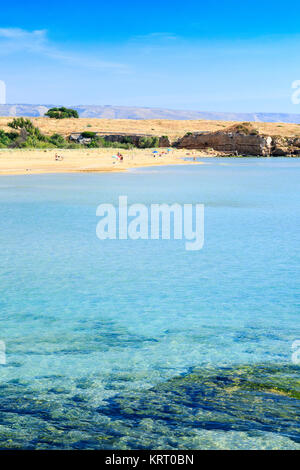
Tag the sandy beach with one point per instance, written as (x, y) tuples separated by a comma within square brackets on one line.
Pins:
[(34, 160), (20, 162)]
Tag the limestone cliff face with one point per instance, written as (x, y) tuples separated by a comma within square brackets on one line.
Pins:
[(233, 142), (282, 146), (249, 143)]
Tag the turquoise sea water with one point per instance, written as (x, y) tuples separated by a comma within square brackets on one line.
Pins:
[(141, 344)]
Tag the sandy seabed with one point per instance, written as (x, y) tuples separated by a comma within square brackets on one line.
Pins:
[(20, 162)]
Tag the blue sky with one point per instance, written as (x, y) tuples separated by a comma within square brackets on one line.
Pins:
[(207, 56)]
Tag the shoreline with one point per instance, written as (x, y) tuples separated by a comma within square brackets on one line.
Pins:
[(24, 162), (37, 161), (45, 171)]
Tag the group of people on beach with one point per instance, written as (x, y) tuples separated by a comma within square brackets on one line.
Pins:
[(119, 157), (155, 153)]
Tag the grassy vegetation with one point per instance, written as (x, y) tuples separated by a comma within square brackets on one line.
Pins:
[(243, 128), (126, 142), (25, 135), (100, 142), (149, 142)]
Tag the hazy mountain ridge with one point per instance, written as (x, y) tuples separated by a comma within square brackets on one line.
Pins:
[(131, 112)]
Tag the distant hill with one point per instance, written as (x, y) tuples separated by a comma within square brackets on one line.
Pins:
[(127, 112)]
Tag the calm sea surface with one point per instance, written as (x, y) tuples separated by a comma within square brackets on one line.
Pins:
[(141, 344)]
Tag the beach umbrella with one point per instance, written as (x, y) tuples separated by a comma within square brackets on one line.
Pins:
[(155, 151), (115, 156)]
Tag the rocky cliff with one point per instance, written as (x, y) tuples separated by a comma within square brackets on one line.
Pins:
[(241, 139), (232, 142)]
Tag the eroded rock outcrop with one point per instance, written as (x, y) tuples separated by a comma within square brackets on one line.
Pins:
[(241, 139), (283, 146), (164, 141)]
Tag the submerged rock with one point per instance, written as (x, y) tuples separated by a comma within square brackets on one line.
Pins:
[(230, 407), (246, 398)]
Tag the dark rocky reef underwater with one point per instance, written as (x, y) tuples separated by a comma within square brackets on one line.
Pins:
[(253, 406)]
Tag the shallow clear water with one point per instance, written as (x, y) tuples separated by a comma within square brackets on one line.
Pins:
[(103, 337)]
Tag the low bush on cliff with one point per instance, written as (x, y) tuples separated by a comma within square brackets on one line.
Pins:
[(243, 128), (88, 135)]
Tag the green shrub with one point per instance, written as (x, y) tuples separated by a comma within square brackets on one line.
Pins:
[(30, 136), (62, 113), (101, 142), (58, 141), (5, 139), (116, 145), (27, 126), (88, 135), (148, 142), (127, 139), (21, 123), (94, 144), (12, 135), (73, 145)]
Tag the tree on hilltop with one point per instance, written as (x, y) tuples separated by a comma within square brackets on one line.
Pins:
[(62, 113)]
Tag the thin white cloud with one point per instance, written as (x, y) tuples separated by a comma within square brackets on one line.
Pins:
[(13, 33), (156, 37), (13, 40)]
